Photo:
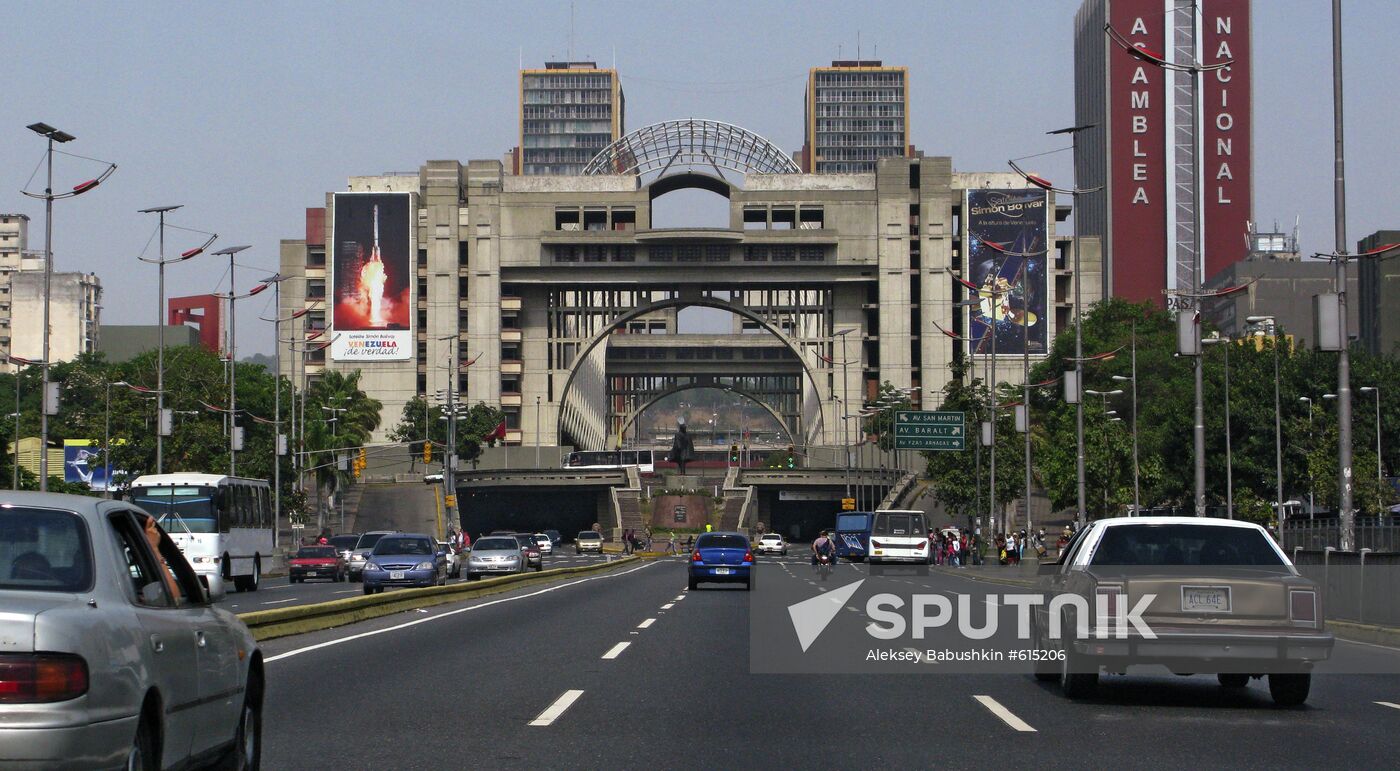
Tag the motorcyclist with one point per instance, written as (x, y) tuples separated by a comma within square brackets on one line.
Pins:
[(823, 545)]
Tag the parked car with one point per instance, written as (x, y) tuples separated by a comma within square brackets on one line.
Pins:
[(771, 543), (363, 546), (531, 550), (543, 541), (588, 540), (454, 560), (1218, 597), (721, 558), (404, 559), (555, 538), (495, 554), (317, 562), (113, 656)]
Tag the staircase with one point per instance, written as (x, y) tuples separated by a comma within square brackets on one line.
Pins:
[(627, 503)]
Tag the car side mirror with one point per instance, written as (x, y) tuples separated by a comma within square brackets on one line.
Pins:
[(441, 554)]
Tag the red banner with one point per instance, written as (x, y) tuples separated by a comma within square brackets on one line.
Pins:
[(1227, 152)]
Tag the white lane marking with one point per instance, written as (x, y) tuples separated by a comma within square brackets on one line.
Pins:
[(279, 602), (1369, 645), (349, 591), (668, 606), (616, 650), (553, 711), (1005, 714), (646, 623), (277, 586), (1392, 705), (449, 614), (678, 598)]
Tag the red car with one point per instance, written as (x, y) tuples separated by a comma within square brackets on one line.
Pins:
[(317, 562)]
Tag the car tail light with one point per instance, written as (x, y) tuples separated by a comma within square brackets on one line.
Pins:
[(1302, 606), (748, 556), (43, 677), (876, 544), (695, 557)]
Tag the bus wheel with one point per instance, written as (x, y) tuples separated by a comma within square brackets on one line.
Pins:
[(256, 578)]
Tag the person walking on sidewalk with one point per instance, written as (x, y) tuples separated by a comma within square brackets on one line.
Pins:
[(627, 541)]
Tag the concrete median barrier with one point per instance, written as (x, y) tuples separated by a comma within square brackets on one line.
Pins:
[(300, 619)]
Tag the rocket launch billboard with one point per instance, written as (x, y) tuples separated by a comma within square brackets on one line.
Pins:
[(372, 277)]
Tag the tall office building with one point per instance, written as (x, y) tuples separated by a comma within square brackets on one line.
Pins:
[(568, 112), (1144, 142), (857, 112)]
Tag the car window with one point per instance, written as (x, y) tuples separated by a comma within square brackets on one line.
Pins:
[(316, 552), (898, 525), (1161, 545), (590, 534), (147, 586), (368, 540), (44, 550), (496, 544), (722, 541), (390, 545)]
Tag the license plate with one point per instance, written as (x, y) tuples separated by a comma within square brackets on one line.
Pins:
[(721, 571), (1205, 599), (311, 572), (396, 575)]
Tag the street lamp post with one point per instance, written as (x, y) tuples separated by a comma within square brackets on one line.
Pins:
[(1229, 459), (107, 441), (845, 407), (1339, 199), (279, 442), (1074, 191), (62, 137), (1312, 511), (1380, 474), (233, 298), (20, 364), (1137, 492), (1111, 415), (1278, 421), (162, 417)]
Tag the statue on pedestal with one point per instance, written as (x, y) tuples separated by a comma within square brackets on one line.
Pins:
[(682, 448)]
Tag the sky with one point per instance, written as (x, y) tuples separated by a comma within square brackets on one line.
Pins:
[(247, 113)]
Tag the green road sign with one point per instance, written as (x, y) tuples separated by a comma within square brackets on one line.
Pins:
[(930, 430)]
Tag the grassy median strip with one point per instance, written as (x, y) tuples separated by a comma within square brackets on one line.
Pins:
[(300, 619)]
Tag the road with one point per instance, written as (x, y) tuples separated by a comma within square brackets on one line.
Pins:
[(628, 669), (279, 592)]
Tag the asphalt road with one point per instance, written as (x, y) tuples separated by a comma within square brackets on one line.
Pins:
[(279, 592), (629, 669)]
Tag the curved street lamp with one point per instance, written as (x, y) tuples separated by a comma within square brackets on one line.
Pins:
[(232, 297), (162, 417), (53, 135)]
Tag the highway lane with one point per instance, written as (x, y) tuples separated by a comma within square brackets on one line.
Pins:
[(632, 670), (280, 592)]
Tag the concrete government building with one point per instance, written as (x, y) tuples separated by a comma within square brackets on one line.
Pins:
[(553, 296)]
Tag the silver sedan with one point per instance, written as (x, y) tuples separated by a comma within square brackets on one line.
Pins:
[(110, 654), (495, 554)]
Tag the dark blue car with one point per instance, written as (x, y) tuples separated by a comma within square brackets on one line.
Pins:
[(722, 558), (404, 559)]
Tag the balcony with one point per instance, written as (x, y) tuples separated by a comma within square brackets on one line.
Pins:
[(512, 366), (510, 335), (509, 304), (510, 400)]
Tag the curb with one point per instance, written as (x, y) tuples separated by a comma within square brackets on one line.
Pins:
[(1364, 633), (300, 619)]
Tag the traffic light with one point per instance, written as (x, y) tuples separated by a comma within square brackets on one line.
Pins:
[(364, 458), (792, 457), (427, 452), (734, 453)]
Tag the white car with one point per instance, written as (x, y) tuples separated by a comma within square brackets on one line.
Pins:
[(771, 543), (546, 545), (454, 560)]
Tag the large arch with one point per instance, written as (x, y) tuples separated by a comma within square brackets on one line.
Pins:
[(807, 431), (637, 413), (691, 142)]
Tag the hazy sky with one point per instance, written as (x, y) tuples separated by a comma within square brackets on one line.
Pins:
[(247, 113)]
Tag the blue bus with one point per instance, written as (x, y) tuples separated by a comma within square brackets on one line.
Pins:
[(853, 534)]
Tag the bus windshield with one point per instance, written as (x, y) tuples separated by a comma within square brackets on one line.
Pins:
[(179, 509), (852, 523)]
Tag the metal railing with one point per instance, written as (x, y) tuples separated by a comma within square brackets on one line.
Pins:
[(1376, 534)]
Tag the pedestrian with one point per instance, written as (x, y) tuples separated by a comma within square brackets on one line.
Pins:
[(627, 541), (954, 553), (648, 537), (709, 528), (1011, 548), (671, 544), (689, 542)]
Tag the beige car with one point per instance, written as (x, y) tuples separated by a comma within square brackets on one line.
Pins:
[(1195, 595), (588, 540)]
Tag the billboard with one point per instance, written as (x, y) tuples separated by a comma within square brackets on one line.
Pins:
[(1006, 245), (82, 464), (372, 277)]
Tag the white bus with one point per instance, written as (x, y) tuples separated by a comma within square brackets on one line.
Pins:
[(222, 524), (644, 460), (898, 536)]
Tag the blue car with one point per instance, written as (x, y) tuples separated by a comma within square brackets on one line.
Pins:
[(722, 558), (404, 559)]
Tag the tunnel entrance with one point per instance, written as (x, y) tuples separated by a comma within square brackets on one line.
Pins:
[(532, 511), (799, 517)]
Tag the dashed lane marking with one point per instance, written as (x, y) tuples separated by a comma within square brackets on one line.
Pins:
[(1392, 705), (279, 602), (553, 711), (616, 650), (1005, 714), (668, 606), (646, 623)]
